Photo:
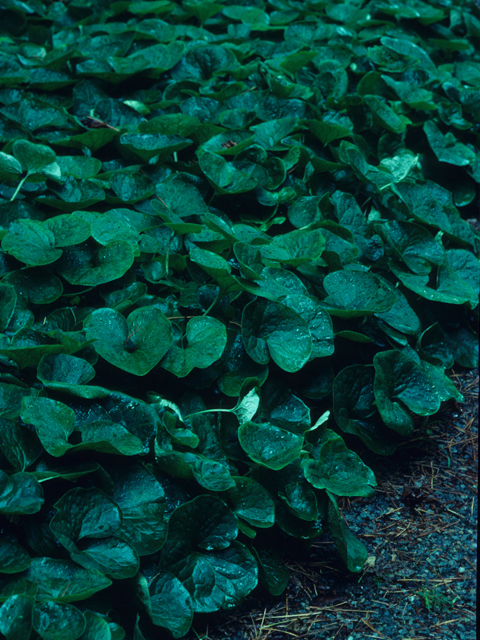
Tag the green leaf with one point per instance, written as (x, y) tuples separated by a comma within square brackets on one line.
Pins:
[(64, 581), (169, 123), (216, 169), (16, 617), (446, 147), (299, 496), (31, 242), (34, 113), (335, 468), (96, 628), (413, 244), (155, 60), (271, 570), (73, 194), (8, 299), (130, 188), (414, 96), (401, 315), (10, 167), (405, 47), (201, 9), (13, 557), (58, 621), (274, 330), (365, 172), (349, 215), (20, 494), (356, 293), (205, 61), (433, 347), (27, 348), (318, 321), (210, 474), (269, 134), (11, 72), (34, 158), (327, 132), (88, 266), (149, 145), (282, 408), (239, 369), (250, 15), (431, 204), (93, 140), (295, 248), (401, 383), (251, 502), (443, 385), (456, 281), (339, 241), (217, 572), (48, 471), (229, 143), (39, 286), (54, 423), (142, 501), (169, 604), (108, 437), (88, 524), (384, 116), (18, 448), (269, 445), (64, 369), (136, 344), (331, 79), (15, 586), (250, 260), (81, 167), (109, 227), (246, 407), (352, 551), (179, 199), (206, 340), (213, 264), (305, 211), (353, 400), (400, 165)]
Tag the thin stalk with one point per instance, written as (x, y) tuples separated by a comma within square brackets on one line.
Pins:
[(220, 295), (197, 413), (18, 188), (168, 252)]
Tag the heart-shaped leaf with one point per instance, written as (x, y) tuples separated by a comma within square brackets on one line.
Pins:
[(268, 445), (338, 469), (33, 157), (206, 339), (135, 344)]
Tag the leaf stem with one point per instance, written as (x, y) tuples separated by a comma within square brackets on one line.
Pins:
[(167, 255), (219, 296), (18, 188), (197, 413)]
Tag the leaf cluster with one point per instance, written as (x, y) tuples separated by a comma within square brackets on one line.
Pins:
[(234, 254)]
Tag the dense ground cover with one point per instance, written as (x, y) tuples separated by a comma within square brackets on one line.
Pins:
[(234, 250)]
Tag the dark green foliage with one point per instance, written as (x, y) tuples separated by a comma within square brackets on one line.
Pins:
[(234, 253)]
